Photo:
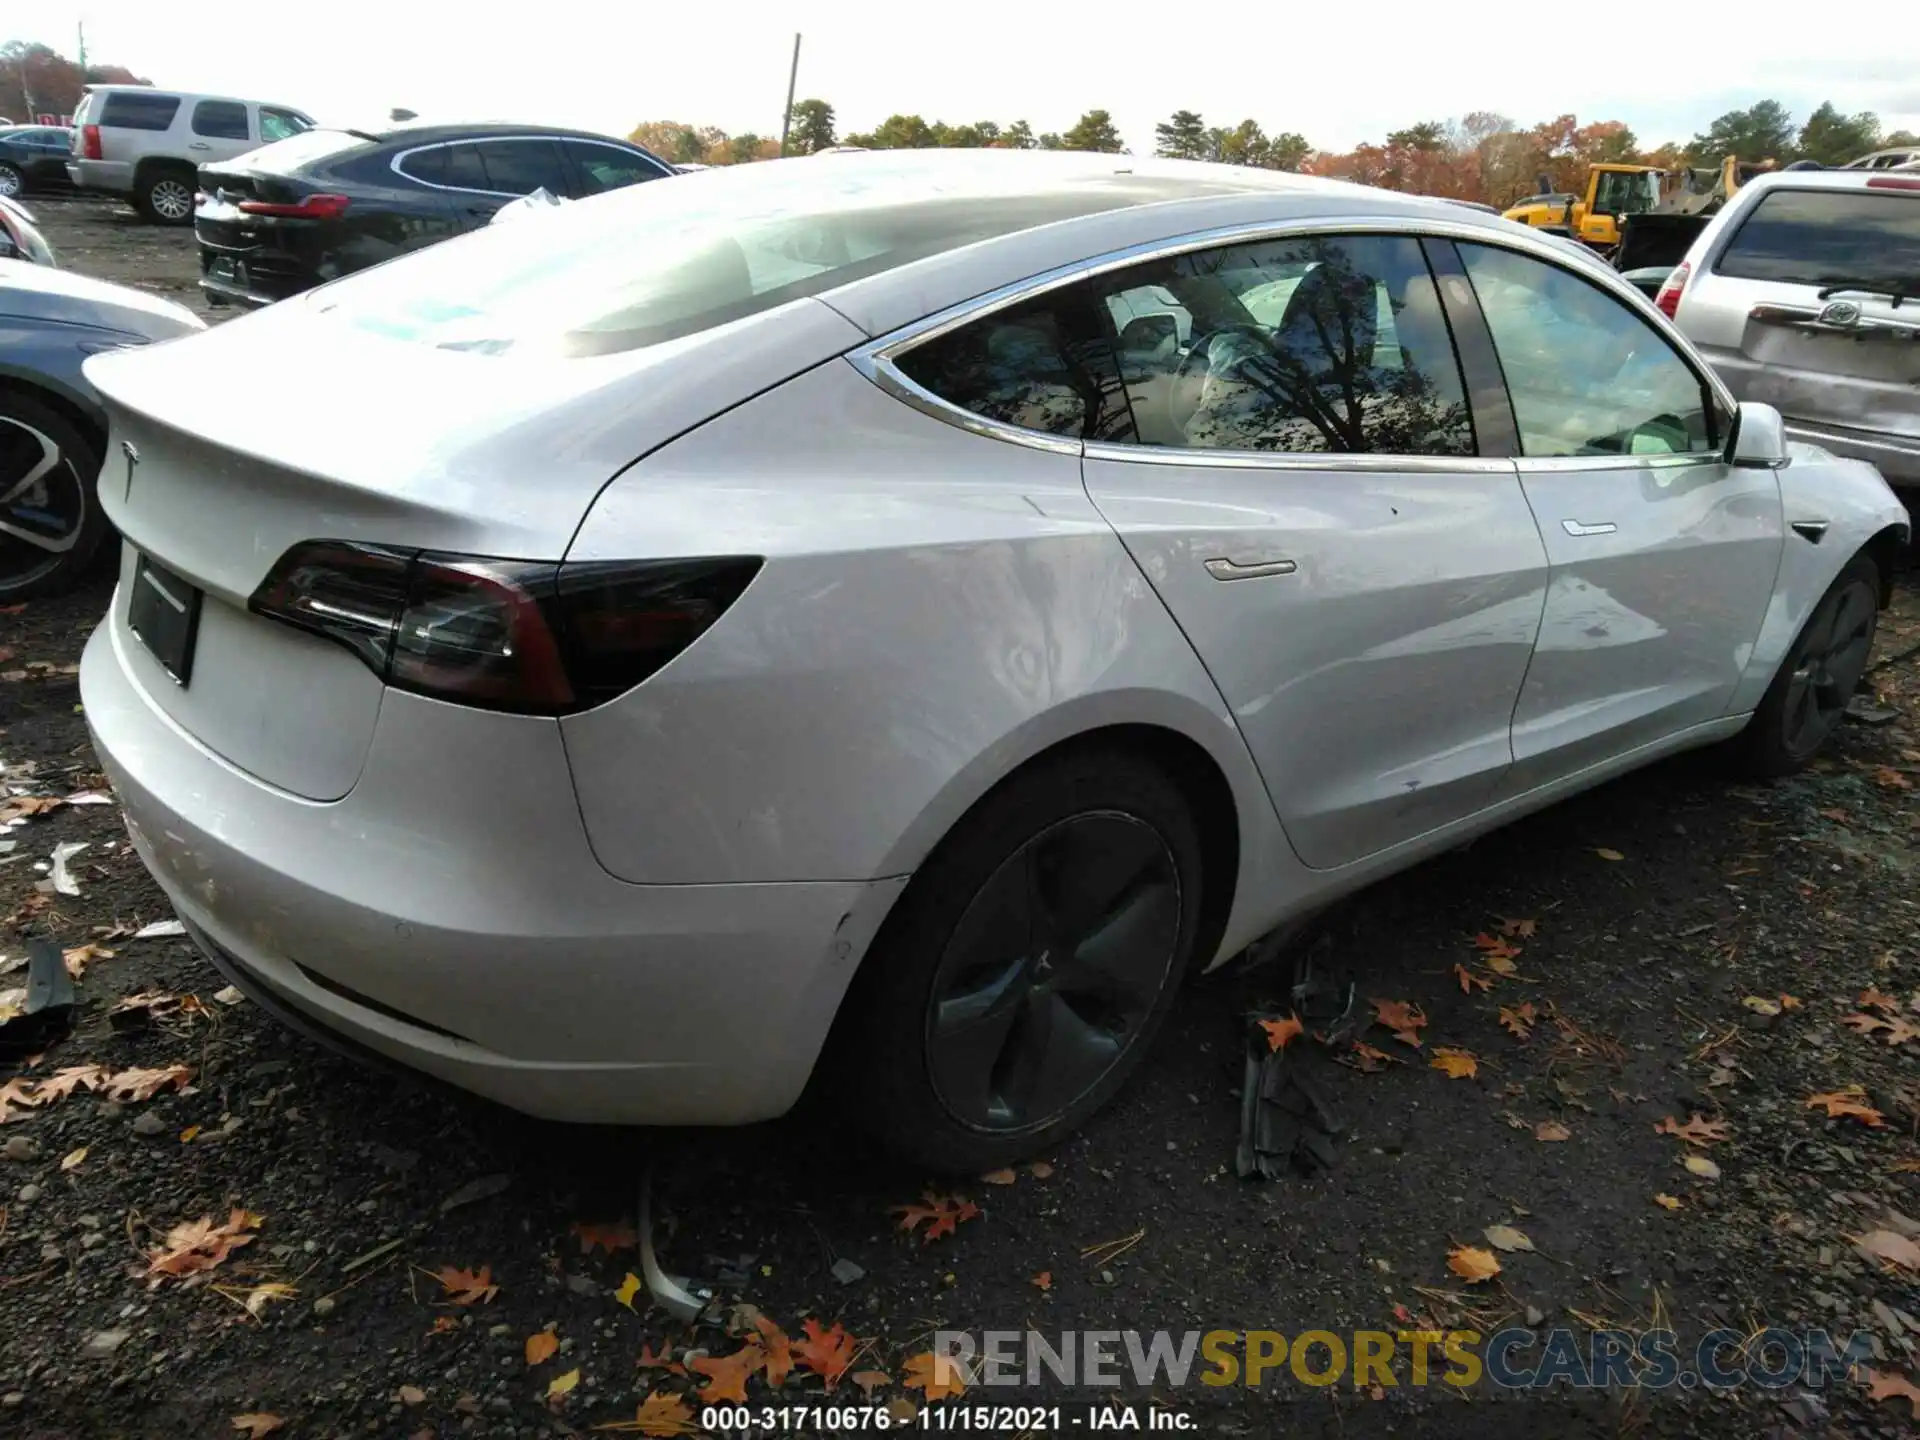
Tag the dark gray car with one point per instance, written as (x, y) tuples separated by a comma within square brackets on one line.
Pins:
[(53, 432)]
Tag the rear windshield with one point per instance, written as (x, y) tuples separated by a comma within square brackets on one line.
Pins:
[(650, 263), (1863, 238)]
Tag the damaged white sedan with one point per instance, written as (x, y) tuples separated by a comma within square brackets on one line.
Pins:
[(894, 619)]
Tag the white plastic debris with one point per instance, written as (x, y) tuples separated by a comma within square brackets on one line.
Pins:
[(63, 880), (89, 797), (160, 930)]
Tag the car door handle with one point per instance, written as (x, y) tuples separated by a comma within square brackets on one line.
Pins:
[(199, 145), (1224, 569), (1574, 527)]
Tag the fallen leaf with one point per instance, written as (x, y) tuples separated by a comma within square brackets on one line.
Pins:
[(1495, 948), (411, 1395), (228, 995), (779, 1350), (1505, 1237), (80, 956), (943, 1213), (1890, 1246), (661, 1413), (1701, 1166), (1501, 965), (1864, 1023), (1889, 778), (444, 1325), (196, 1246), (1459, 1064), (1900, 1030), (939, 1375), (617, 1236), (145, 1084), (1471, 1264), (1043, 1281), (542, 1345), (186, 1135), (1368, 1060), (629, 1288), (1469, 982), (661, 1359), (999, 1177), (1697, 1131), (1551, 1130), (1281, 1033), (563, 1385), (74, 1160), (62, 1083), (465, 1287), (1761, 1005), (727, 1375), (1872, 999), (1039, 1169), (827, 1353), (1666, 1202), (257, 1424), (1892, 1387), (259, 1297), (1849, 1103), (870, 1380), (1402, 1018), (15, 1096), (1789, 1002), (1522, 928), (1606, 854), (1518, 1019)]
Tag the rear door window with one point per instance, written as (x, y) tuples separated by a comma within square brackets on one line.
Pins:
[(519, 167), (131, 110), (462, 169), (221, 120), (1045, 364), (604, 167), (1854, 239)]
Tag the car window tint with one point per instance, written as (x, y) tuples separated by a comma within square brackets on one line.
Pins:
[(519, 167), (463, 169), (428, 166), (1586, 374), (220, 119), (279, 124), (1045, 364), (601, 167), (130, 110), (1828, 237), (1317, 344)]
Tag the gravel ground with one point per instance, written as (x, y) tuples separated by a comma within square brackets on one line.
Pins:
[(1692, 947)]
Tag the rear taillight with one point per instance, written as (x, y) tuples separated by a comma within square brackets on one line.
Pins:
[(312, 207), (90, 141), (525, 636), (1668, 300), (1892, 182)]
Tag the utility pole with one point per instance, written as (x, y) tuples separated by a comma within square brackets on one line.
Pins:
[(83, 50), (793, 75)]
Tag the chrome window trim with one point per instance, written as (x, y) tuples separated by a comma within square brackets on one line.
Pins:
[(1584, 464), (394, 164), (877, 359)]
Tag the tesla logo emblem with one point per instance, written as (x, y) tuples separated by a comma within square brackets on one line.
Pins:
[(1841, 312), (133, 459)]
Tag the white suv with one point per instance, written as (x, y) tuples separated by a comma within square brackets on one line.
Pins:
[(146, 144)]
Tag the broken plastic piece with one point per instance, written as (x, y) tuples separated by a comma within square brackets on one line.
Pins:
[(48, 1012), (672, 1293), (160, 930), (1284, 1124), (63, 880)]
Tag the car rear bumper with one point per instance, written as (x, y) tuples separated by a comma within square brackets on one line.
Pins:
[(111, 177), (222, 293), (448, 915)]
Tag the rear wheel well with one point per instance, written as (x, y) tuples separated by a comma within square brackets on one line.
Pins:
[(1884, 550), (73, 414)]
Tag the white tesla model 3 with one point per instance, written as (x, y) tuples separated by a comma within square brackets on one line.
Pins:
[(897, 617)]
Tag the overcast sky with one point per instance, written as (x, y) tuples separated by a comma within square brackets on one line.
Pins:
[(1339, 74)]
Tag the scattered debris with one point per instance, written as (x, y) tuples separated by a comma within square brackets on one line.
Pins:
[(63, 881), (160, 930), (45, 1012), (1285, 1124)]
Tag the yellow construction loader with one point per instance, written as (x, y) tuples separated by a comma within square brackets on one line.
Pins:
[(1612, 191)]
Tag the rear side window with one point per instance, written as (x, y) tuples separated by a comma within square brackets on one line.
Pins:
[(130, 110), (1045, 364), (519, 167), (428, 166), (463, 169), (602, 167), (220, 119), (1855, 238)]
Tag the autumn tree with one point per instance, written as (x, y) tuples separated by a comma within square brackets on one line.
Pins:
[(1181, 136), (1763, 131), (36, 79), (1017, 136), (1093, 131), (676, 142), (1833, 139), (897, 132), (810, 128)]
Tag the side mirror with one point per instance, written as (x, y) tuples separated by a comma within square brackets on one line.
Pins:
[(1759, 438)]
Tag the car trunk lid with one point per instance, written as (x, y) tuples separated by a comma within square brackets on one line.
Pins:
[(287, 426)]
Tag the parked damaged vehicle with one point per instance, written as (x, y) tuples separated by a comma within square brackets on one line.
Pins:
[(53, 428), (915, 610), (296, 214), (1804, 293), (20, 237)]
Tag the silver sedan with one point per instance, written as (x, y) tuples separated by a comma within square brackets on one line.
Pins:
[(886, 623)]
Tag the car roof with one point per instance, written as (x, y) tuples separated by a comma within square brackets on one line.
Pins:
[(187, 95), (1820, 180), (426, 133)]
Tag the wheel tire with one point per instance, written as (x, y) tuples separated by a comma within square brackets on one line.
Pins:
[(1088, 811), (26, 428), (1808, 697), (166, 196), (12, 182)]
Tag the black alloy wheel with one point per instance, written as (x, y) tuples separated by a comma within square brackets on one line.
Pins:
[(1807, 700), (50, 525)]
